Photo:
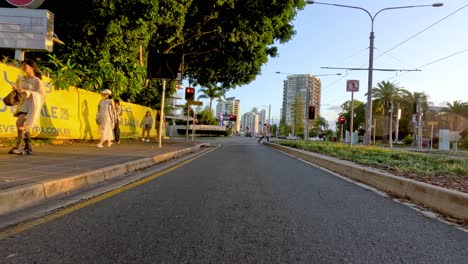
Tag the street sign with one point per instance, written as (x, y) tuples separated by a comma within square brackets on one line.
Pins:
[(432, 123), (195, 102), (26, 3), (352, 85)]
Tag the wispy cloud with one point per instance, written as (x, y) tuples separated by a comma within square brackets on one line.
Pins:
[(334, 108)]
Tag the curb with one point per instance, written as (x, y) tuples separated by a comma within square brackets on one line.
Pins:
[(450, 202), (16, 198)]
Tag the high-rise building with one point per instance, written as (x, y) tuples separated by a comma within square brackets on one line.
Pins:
[(230, 106), (297, 85), (250, 120)]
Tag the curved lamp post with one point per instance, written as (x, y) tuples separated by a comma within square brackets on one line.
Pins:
[(371, 56), (306, 118)]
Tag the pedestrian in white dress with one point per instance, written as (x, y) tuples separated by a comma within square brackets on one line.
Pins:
[(106, 118), (28, 110)]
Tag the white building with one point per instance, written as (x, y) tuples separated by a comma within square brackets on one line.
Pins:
[(250, 121), (230, 106)]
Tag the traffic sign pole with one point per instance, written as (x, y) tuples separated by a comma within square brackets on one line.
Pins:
[(352, 86), (351, 128)]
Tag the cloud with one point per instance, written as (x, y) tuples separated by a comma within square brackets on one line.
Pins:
[(335, 108)]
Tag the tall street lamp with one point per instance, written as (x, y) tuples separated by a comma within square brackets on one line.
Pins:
[(371, 56), (306, 118)]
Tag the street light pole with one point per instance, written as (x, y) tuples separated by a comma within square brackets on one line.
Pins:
[(367, 138)]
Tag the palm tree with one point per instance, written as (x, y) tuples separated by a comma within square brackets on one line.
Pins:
[(457, 107), (410, 109), (385, 95), (212, 92)]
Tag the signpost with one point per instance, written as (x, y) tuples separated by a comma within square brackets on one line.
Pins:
[(26, 3), (195, 103), (189, 103), (352, 86), (24, 29)]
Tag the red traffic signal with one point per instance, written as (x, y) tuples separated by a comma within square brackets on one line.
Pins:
[(190, 94), (232, 118), (311, 112), (341, 120)]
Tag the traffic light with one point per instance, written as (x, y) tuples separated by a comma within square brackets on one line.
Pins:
[(232, 118), (311, 112), (341, 120), (190, 94)]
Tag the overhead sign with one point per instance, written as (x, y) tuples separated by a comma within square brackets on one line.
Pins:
[(352, 86), (26, 3), (26, 29)]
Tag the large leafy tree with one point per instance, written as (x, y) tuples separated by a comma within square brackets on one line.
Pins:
[(221, 41)]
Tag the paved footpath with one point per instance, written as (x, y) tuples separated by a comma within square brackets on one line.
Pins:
[(55, 170), (50, 162)]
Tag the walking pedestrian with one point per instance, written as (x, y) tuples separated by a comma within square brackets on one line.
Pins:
[(118, 120), (29, 109), (147, 125), (106, 118), (265, 133)]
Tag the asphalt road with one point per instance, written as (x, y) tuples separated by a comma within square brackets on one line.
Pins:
[(242, 203)]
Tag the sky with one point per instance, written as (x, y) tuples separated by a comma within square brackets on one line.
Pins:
[(330, 36)]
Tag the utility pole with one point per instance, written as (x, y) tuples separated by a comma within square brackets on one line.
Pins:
[(390, 128), (419, 123), (341, 134), (306, 112), (375, 128), (193, 125), (187, 126), (398, 117), (162, 117), (351, 128)]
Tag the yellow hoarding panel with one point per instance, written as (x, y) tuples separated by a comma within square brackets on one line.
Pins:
[(67, 114)]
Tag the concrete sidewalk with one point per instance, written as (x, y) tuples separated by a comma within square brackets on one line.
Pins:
[(57, 169)]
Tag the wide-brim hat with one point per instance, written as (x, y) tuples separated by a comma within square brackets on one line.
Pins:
[(106, 91)]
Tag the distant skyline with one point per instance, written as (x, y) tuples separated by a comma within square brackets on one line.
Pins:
[(328, 36)]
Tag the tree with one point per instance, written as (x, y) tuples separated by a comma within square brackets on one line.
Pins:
[(386, 95), (298, 112), (221, 41), (359, 115), (457, 107), (206, 117), (409, 110), (212, 92), (319, 125)]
